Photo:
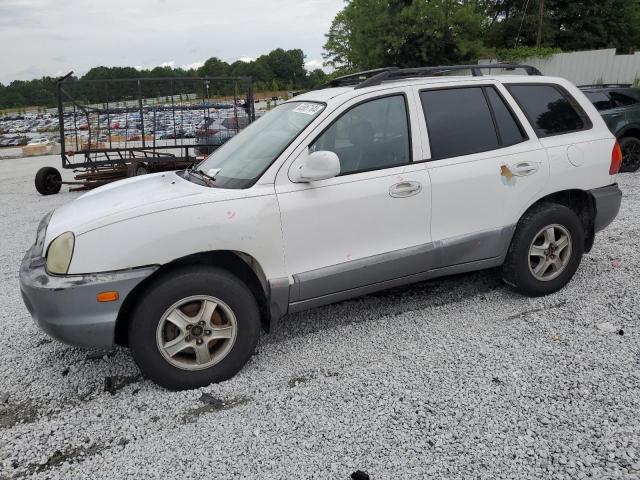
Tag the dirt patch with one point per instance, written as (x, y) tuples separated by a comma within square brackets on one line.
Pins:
[(213, 404), (118, 382), (69, 455), (297, 381), (23, 412), (526, 313)]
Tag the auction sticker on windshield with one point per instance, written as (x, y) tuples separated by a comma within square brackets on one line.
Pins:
[(308, 108)]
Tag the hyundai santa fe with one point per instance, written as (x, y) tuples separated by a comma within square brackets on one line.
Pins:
[(381, 179)]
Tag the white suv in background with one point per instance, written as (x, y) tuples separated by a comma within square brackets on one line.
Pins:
[(382, 179)]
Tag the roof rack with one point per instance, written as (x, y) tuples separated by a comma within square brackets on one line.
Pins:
[(370, 78)]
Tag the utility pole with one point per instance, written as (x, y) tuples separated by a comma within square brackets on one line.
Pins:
[(540, 17)]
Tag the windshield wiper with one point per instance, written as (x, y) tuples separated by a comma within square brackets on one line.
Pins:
[(208, 179), (205, 175)]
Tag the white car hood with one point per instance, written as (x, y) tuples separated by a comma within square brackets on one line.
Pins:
[(131, 198)]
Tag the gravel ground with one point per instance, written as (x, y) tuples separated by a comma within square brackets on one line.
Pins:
[(452, 378)]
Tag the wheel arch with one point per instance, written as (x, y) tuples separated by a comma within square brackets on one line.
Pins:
[(631, 130), (241, 264), (581, 202)]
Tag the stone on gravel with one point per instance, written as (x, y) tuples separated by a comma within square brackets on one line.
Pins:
[(608, 327)]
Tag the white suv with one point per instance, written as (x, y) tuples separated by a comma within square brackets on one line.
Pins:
[(383, 179)]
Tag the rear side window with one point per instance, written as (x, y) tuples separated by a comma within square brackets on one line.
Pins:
[(600, 100), (462, 121), (550, 110), (509, 130), (622, 99)]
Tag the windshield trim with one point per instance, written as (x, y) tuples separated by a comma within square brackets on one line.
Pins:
[(252, 182)]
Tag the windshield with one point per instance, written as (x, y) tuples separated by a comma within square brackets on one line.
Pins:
[(240, 161)]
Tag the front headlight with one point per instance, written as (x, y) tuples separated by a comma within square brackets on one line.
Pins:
[(59, 253)]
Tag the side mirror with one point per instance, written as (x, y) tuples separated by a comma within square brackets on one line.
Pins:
[(319, 165)]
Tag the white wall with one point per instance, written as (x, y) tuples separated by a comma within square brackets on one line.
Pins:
[(588, 67)]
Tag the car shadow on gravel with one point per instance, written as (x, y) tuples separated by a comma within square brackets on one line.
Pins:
[(388, 303)]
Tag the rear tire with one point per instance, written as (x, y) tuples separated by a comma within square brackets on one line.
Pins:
[(630, 147), (48, 181), (154, 334), (545, 251)]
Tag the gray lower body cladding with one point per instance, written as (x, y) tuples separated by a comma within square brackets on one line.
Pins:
[(457, 255), (607, 205), (65, 307)]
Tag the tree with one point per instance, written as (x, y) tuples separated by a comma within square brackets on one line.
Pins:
[(337, 49), (570, 26), (596, 24), (285, 65), (375, 33), (214, 67), (315, 78)]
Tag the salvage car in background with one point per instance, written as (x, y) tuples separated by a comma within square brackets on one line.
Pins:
[(619, 105), (386, 178)]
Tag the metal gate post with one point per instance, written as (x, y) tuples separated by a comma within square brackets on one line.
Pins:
[(141, 112), (63, 154), (252, 111)]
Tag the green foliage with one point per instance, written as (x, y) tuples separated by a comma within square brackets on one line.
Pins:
[(520, 53), (276, 69), (570, 26), (375, 33)]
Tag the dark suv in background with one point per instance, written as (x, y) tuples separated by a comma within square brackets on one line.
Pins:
[(619, 105)]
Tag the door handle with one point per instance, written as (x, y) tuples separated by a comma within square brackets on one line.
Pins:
[(522, 169), (405, 189)]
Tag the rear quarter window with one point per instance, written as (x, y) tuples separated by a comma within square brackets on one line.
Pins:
[(550, 109), (600, 100), (622, 99)]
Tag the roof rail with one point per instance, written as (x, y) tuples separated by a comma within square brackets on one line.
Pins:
[(607, 85), (370, 78), (356, 78)]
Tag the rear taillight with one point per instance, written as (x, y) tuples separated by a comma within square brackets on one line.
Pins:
[(616, 159)]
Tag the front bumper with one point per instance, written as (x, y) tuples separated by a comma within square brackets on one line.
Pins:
[(607, 204), (65, 307)]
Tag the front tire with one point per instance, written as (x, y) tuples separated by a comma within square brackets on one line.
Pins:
[(194, 327), (546, 250)]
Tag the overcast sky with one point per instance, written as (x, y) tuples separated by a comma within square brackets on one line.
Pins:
[(53, 37)]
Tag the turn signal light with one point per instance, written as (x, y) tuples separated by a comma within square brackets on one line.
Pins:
[(616, 159), (110, 296)]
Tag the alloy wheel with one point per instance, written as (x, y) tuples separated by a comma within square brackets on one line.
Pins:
[(196, 332), (550, 252)]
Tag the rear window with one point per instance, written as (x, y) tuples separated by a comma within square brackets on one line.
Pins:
[(550, 109)]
